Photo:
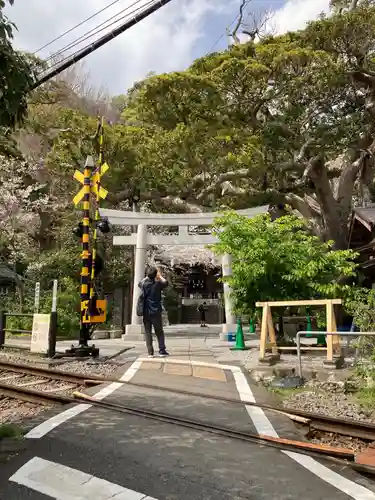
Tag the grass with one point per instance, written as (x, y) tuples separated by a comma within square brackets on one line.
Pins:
[(287, 393), (366, 397), (10, 431)]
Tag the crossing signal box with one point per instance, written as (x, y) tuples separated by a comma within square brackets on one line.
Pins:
[(94, 311)]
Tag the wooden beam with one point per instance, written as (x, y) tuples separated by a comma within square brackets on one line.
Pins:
[(264, 331), (293, 348), (329, 325), (292, 303)]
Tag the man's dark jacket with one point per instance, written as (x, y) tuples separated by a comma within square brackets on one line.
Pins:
[(152, 293)]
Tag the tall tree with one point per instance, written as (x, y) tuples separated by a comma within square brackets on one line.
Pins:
[(289, 119), (16, 75)]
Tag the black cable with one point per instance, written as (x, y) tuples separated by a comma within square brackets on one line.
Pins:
[(89, 34), (76, 26), (107, 37)]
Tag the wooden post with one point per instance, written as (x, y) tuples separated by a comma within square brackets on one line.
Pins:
[(271, 331), (330, 328), (335, 338), (264, 330)]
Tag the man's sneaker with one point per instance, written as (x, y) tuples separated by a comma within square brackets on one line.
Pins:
[(163, 353), (150, 355)]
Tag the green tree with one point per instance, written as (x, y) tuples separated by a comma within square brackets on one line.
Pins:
[(279, 260), (289, 119), (16, 75)]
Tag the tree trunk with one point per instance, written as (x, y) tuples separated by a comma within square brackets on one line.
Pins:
[(336, 228)]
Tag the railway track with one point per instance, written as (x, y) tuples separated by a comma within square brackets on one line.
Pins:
[(341, 456), (40, 385), (19, 382), (313, 421), (48, 386)]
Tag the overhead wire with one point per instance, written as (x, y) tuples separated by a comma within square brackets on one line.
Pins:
[(97, 29), (76, 26), (143, 12)]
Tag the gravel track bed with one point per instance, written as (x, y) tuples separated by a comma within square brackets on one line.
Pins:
[(14, 411), (332, 400), (54, 384), (332, 404), (355, 444), (88, 367), (20, 381)]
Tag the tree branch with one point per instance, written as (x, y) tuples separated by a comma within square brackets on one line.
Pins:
[(226, 176), (239, 22)]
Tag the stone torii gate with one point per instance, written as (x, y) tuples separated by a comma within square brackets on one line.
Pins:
[(142, 238)]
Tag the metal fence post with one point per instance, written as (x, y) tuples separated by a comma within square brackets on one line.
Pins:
[(2, 328), (328, 334), (37, 297), (52, 334)]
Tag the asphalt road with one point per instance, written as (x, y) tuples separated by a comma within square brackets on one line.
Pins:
[(164, 461)]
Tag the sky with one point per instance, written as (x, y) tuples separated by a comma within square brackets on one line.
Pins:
[(168, 40)]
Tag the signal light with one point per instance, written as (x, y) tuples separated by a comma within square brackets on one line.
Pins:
[(78, 231), (103, 226)]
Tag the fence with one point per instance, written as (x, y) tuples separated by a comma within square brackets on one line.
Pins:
[(50, 335), (329, 334)]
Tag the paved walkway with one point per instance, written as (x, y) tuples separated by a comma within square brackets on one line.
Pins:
[(88, 452)]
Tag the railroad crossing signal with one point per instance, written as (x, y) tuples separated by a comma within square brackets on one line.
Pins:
[(95, 186), (93, 310)]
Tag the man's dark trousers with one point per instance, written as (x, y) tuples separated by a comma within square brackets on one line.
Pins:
[(156, 321)]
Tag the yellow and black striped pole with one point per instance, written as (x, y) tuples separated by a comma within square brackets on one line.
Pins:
[(85, 273), (93, 309), (97, 215)]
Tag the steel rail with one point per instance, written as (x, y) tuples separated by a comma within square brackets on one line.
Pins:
[(343, 426), (33, 396), (279, 443), (76, 378)]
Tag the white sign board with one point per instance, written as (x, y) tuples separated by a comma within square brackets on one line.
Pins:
[(40, 333)]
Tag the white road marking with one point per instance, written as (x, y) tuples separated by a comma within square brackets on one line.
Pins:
[(53, 422), (261, 422), (64, 483), (232, 368), (264, 426), (352, 489)]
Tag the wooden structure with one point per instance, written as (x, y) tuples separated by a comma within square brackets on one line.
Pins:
[(362, 240), (10, 281), (268, 335)]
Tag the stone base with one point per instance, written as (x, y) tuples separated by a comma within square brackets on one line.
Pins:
[(132, 337), (338, 362), (227, 330), (134, 332), (269, 359), (106, 334)]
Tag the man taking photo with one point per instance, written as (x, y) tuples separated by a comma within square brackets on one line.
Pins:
[(152, 287)]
